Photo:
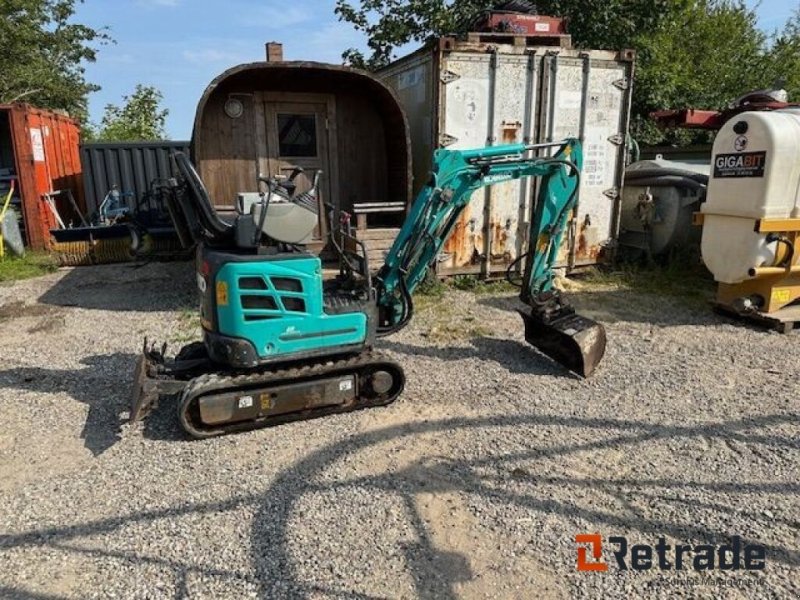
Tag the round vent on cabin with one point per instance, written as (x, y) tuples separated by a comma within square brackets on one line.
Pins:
[(234, 108)]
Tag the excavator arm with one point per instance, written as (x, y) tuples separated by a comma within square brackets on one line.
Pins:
[(551, 324)]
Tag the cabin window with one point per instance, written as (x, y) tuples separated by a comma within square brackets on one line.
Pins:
[(297, 135)]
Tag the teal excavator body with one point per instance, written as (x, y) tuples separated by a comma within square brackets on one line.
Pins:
[(282, 343)]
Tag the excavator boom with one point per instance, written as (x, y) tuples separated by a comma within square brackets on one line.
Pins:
[(551, 324)]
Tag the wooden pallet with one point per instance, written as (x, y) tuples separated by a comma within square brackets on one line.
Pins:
[(560, 40), (782, 321)]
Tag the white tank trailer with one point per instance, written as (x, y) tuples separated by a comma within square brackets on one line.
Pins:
[(751, 218)]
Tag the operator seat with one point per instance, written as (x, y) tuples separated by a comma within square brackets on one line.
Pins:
[(203, 209), (285, 220), (290, 221)]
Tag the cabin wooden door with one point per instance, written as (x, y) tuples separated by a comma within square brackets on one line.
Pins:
[(298, 133)]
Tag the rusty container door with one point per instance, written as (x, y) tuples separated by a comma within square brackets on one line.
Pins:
[(63, 169), (47, 160), (459, 95), (487, 99), (587, 94)]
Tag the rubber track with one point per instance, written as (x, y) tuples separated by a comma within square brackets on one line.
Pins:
[(216, 382)]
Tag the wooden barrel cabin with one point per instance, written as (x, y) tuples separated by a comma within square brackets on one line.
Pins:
[(268, 117)]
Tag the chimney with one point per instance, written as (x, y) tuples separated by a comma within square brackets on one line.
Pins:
[(274, 52)]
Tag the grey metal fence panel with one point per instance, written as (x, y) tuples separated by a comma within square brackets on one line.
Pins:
[(131, 166)]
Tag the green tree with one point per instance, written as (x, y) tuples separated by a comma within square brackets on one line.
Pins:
[(785, 56), (690, 53), (705, 57), (43, 52), (140, 118), (592, 23)]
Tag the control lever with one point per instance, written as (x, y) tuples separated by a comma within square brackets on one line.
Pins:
[(272, 185), (295, 172), (269, 179), (287, 183)]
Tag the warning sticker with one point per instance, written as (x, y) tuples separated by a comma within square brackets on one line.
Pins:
[(594, 163), (743, 164), (37, 143), (781, 295)]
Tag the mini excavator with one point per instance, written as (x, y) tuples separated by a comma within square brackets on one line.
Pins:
[(281, 343)]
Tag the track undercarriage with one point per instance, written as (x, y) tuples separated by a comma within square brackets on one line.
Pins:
[(214, 401)]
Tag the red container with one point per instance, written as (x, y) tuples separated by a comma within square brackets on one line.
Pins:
[(522, 24), (42, 154)]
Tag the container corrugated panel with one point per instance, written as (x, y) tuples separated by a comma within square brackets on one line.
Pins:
[(131, 166), (471, 95)]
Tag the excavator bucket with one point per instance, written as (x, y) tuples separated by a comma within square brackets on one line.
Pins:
[(571, 340)]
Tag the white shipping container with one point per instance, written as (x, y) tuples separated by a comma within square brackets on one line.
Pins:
[(470, 94)]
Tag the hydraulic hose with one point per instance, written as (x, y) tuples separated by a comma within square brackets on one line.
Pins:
[(408, 313), (514, 263), (786, 262), (567, 206)]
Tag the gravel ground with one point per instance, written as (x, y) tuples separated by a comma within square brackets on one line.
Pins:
[(473, 484)]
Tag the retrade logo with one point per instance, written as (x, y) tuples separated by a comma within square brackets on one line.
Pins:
[(732, 556), (595, 542)]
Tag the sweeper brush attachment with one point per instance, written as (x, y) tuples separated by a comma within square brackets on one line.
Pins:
[(92, 245), (92, 252), (576, 342)]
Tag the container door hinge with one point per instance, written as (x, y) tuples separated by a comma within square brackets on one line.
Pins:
[(617, 139), (612, 193), (448, 76), (447, 140), (621, 84)]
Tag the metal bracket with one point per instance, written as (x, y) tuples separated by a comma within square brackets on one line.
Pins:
[(621, 84), (443, 256), (448, 77), (446, 140), (612, 193), (617, 139)]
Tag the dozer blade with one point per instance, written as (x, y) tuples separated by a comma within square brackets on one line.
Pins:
[(151, 380), (573, 341), (144, 394)]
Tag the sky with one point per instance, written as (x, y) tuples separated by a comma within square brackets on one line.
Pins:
[(179, 46)]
